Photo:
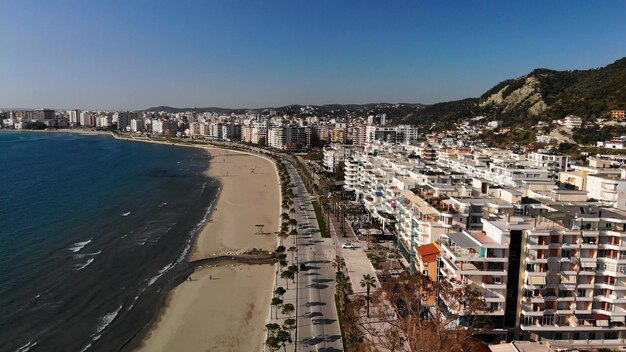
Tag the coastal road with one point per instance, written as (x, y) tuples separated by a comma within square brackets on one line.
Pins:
[(318, 324)]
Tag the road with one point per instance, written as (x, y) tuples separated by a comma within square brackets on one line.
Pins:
[(318, 324)]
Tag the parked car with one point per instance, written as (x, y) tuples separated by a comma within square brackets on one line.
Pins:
[(348, 245)]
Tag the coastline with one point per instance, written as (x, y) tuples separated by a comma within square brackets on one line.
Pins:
[(205, 314)]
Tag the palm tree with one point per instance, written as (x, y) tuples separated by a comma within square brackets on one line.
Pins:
[(341, 288), (293, 223), (289, 324), (339, 263), (368, 281), (282, 235), (288, 308), (284, 216), (293, 250), (279, 291), (287, 274), (276, 302)]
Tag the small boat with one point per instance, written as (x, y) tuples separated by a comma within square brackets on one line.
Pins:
[(126, 214)]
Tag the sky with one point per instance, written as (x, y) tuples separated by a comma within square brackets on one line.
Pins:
[(251, 54)]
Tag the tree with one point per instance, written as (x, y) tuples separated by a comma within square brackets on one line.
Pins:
[(272, 343), (339, 263), (282, 235), (288, 308), (280, 249), (342, 288), (293, 250), (407, 322), (284, 216), (276, 302), (287, 275), (283, 338), (272, 328), (293, 223), (369, 282), (289, 324), (279, 291)]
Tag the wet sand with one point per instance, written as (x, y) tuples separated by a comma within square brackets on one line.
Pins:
[(225, 308)]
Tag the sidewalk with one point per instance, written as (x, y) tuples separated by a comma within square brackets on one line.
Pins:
[(357, 263), (290, 296)]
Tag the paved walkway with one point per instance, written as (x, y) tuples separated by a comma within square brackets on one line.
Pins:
[(313, 294)]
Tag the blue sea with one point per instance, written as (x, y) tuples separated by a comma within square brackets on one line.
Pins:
[(94, 232)]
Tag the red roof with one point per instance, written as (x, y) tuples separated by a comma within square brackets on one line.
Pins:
[(428, 252)]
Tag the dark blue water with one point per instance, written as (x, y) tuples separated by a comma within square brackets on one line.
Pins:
[(93, 233)]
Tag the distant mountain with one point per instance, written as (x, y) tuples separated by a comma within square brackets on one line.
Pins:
[(542, 94)]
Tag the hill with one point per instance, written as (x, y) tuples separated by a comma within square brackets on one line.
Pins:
[(542, 94), (393, 111)]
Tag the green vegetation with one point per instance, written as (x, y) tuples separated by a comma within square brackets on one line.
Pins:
[(598, 150), (595, 133), (586, 93), (320, 219)]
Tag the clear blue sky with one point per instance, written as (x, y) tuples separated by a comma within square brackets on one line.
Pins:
[(137, 54)]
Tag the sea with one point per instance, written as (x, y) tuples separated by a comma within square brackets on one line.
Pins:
[(94, 232)]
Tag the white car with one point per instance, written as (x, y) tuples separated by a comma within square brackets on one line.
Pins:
[(348, 245)]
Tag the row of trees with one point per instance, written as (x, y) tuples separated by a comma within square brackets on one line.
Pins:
[(279, 336)]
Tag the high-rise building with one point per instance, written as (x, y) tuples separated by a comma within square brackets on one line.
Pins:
[(43, 114)]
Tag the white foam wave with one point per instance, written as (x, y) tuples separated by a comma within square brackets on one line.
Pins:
[(27, 346), (133, 303), (83, 266), (162, 271), (83, 255), (85, 348), (105, 321), (79, 245)]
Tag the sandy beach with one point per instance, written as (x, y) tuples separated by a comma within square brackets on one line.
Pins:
[(224, 308)]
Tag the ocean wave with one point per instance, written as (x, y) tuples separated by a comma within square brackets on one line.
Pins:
[(133, 303), (27, 346), (162, 271), (77, 246), (83, 266), (83, 255), (105, 321)]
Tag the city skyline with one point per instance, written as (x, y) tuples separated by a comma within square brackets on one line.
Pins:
[(244, 55)]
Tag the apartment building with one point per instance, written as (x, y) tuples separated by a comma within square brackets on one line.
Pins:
[(574, 281)]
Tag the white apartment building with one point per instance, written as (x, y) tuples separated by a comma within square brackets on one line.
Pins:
[(335, 154), (572, 121), (136, 125), (554, 163), (609, 188), (87, 119)]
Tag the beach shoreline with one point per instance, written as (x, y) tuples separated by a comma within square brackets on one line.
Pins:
[(248, 184)]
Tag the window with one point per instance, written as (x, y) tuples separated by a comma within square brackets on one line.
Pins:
[(558, 336), (547, 319), (526, 320), (610, 335), (592, 336), (497, 280), (530, 267), (528, 294), (581, 292)]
